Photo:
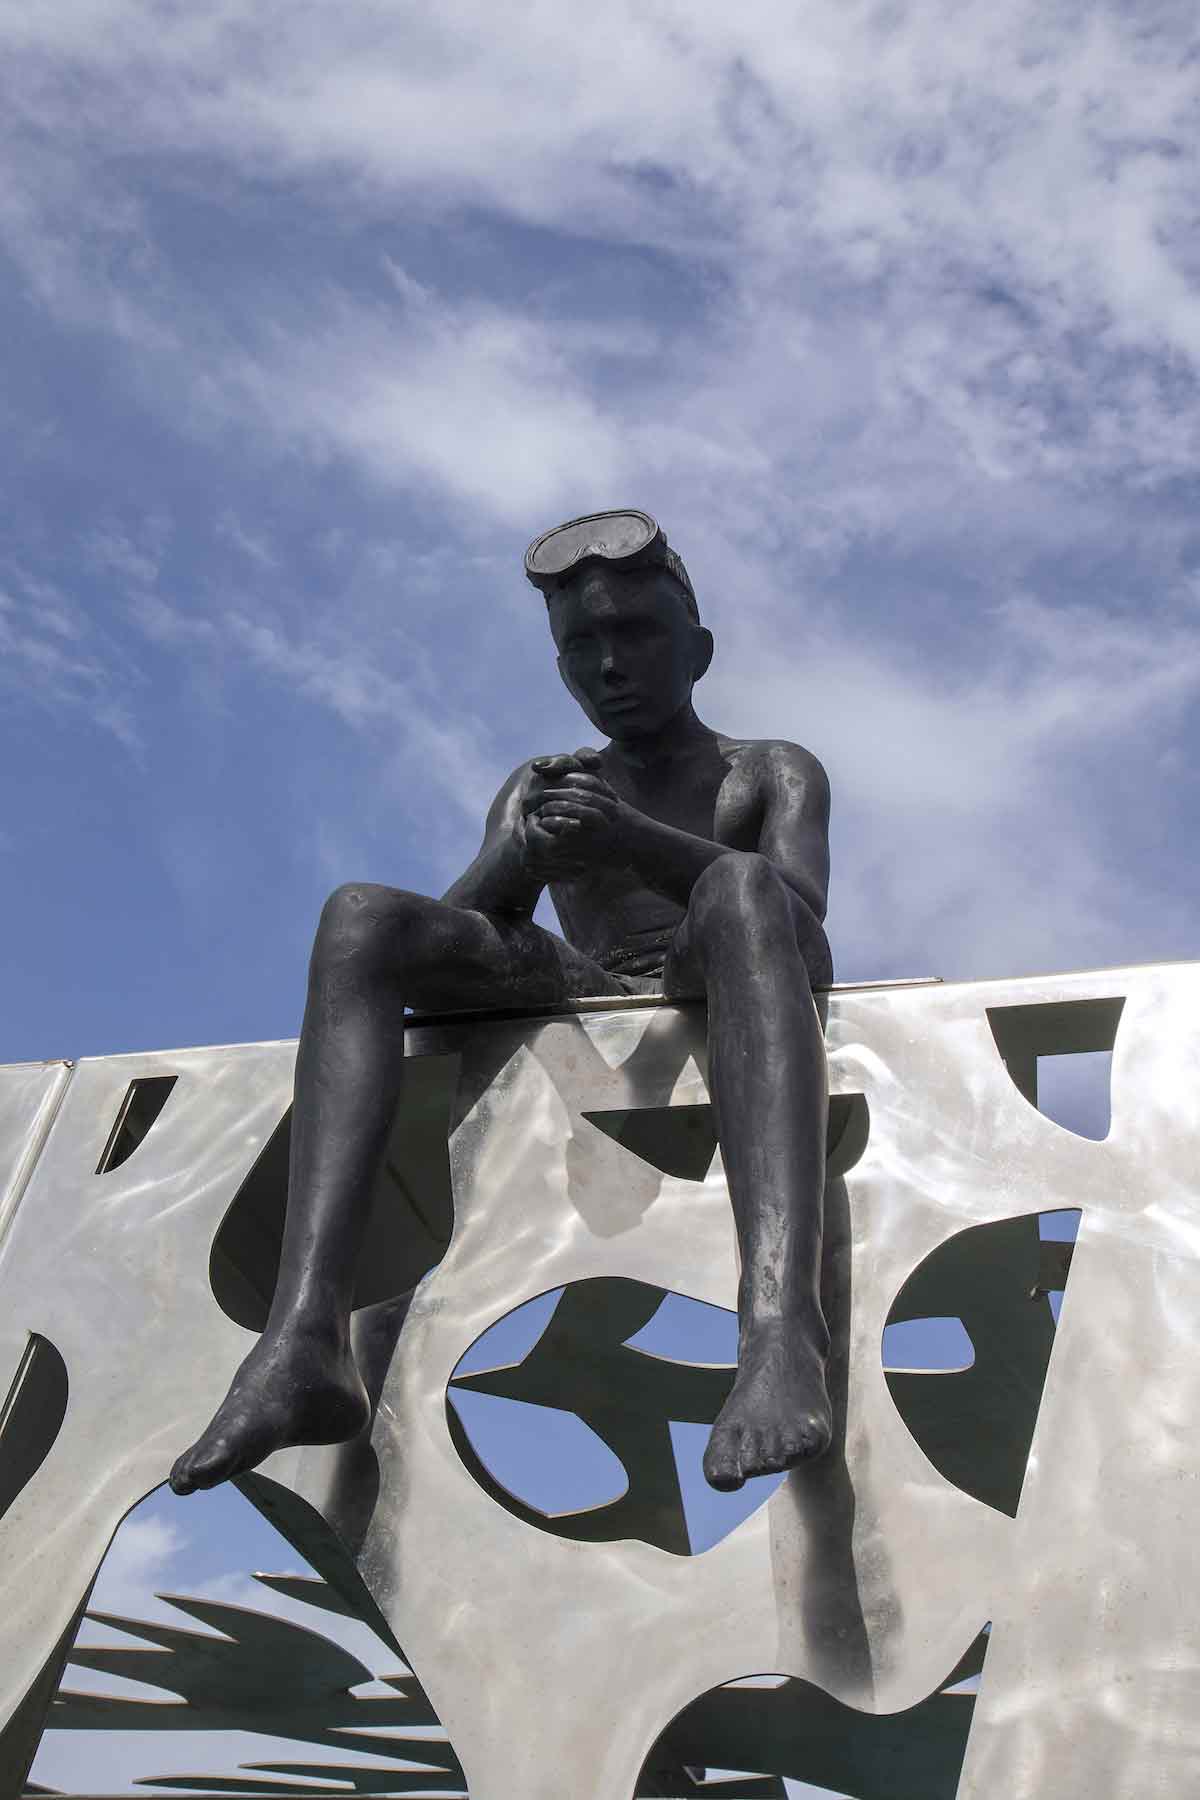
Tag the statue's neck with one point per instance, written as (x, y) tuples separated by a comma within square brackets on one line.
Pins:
[(682, 735)]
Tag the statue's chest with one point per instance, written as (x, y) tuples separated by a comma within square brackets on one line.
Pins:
[(707, 803)]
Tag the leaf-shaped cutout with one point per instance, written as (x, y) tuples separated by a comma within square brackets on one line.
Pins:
[(144, 1099), (976, 1424), (32, 1416)]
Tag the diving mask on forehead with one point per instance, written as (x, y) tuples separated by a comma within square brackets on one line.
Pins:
[(628, 540)]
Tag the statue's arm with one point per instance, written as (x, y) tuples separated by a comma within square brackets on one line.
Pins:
[(786, 791), (500, 879), (794, 833), (792, 802)]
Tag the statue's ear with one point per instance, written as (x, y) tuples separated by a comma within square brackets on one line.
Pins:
[(704, 650)]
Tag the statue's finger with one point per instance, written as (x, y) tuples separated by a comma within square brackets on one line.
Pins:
[(538, 799), (576, 787), (549, 768), (582, 778), (571, 809)]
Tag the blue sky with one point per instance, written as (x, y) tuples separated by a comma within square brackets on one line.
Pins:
[(315, 315)]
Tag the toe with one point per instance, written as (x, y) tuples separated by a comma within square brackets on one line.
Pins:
[(723, 1461), (816, 1434), (206, 1464), (180, 1478), (756, 1455)]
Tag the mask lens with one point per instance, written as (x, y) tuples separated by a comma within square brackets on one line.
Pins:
[(617, 536)]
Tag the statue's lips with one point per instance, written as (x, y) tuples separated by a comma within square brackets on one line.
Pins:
[(621, 703)]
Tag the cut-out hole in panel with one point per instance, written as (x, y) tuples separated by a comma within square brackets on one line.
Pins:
[(1058, 1232), (412, 1208), (689, 1331), (711, 1516), (672, 1781), (511, 1338), (681, 1140), (32, 1416), (647, 1373), (543, 1456), (848, 1131), (1060, 1058), (1076, 1091), (144, 1099), (298, 1662), (793, 1730), (943, 1345), (975, 1423)]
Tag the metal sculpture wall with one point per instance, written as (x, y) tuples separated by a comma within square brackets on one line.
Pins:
[(270, 1675), (1048, 1490)]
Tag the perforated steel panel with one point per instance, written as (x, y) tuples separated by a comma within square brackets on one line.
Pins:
[(867, 1576)]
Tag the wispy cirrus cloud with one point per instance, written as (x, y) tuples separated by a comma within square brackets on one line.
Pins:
[(891, 314), (52, 656), (969, 802), (995, 207)]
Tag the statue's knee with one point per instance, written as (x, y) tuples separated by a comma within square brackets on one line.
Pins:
[(739, 885), (362, 921)]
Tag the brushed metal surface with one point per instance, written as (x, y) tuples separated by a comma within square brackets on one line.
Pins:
[(113, 1270), (29, 1097), (868, 1575)]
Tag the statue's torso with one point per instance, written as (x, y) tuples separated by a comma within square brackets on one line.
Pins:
[(715, 794)]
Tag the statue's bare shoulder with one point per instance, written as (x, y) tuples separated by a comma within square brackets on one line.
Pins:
[(777, 793), (766, 760)]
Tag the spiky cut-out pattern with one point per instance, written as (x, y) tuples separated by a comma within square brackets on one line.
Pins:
[(269, 1675), (265, 1674)]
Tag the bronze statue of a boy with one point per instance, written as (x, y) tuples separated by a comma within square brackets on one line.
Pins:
[(679, 860)]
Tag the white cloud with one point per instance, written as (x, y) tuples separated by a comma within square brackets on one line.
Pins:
[(994, 205), (967, 822), (941, 308), (139, 1558), (53, 656), (252, 544)]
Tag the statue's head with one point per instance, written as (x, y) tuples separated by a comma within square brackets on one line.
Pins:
[(624, 617)]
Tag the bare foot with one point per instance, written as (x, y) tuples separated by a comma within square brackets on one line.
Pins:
[(778, 1412), (295, 1387)]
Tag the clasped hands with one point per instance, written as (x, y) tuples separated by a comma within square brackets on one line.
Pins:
[(571, 819)]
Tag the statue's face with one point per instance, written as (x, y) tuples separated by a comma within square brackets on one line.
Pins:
[(628, 649)]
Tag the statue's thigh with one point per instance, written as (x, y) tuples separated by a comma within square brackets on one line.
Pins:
[(479, 959)]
